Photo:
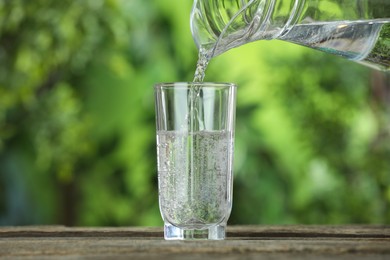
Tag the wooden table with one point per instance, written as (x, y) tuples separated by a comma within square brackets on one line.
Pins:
[(244, 242)]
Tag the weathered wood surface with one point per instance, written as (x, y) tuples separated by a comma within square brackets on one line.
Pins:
[(244, 242)]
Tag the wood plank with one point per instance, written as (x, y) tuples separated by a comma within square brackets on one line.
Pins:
[(312, 231), (244, 242), (239, 232), (61, 231)]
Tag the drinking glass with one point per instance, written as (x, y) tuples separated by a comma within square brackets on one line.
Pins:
[(195, 143)]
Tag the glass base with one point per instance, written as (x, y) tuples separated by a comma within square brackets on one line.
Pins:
[(212, 233)]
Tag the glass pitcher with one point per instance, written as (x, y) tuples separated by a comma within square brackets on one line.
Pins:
[(358, 30)]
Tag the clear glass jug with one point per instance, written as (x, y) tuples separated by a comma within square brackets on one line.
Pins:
[(358, 30)]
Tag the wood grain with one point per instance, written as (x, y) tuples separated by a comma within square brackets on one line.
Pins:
[(244, 242)]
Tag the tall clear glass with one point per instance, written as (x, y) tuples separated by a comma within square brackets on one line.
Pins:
[(195, 143)]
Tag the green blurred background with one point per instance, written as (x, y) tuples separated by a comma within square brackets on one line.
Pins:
[(77, 129)]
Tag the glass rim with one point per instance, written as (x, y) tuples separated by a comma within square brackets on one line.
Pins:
[(192, 84)]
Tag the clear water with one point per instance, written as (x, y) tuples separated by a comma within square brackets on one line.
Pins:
[(366, 42), (194, 171), (195, 121), (201, 66)]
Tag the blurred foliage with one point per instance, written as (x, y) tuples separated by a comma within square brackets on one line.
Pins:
[(77, 129)]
